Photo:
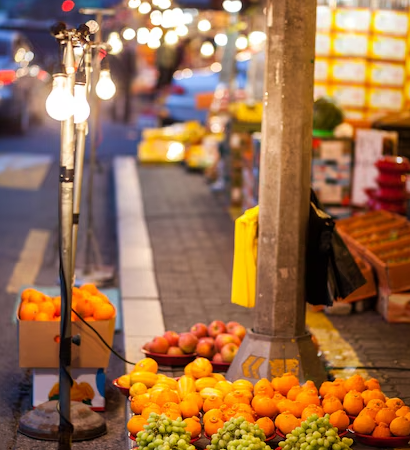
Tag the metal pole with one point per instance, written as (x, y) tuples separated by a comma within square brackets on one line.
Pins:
[(279, 341), (81, 131), (66, 242)]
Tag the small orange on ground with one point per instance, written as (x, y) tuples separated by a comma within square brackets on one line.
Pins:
[(43, 317), (385, 415), (28, 311), (394, 403), (266, 425), (104, 311), (193, 425), (400, 426), (136, 424), (340, 420), (364, 424)]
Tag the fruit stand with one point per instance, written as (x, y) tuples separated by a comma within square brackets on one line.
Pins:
[(203, 409)]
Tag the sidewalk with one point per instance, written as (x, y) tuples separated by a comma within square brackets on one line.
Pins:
[(175, 243)]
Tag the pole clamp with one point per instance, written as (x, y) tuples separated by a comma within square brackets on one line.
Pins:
[(66, 175)]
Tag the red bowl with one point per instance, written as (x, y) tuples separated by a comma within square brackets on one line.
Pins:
[(123, 390), (220, 366), (270, 438), (170, 360), (395, 441)]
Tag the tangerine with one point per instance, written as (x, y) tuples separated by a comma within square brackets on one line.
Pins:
[(284, 383), (28, 311), (84, 307), (373, 383), (353, 403), (57, 305), (47, 307), (376, 403), (371, 394), (26, 294), (381, 430), (403, 411), (364, 424), (331, 404), (193, 425), (43, 317), (266, 425), (263, 387), (105, 311), (195, 397), (150, 408), (188, 409), (385, 415), (139, 402), (286, 422), (136, 424), (308, 397), (265, 406), (340, 420), (310, 410), (37, 297), (394, 403), (293, 392), (90, 288), (212, 402), (400, 426), (355, 383), (212, 413)]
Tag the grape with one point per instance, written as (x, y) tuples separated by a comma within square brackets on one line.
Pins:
[(314, 434)]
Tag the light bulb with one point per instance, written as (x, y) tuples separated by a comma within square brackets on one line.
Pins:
[(105, 87), (60, 102), (81, 106)]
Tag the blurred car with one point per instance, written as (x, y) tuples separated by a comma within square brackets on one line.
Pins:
[(191, 91), (24, 85)]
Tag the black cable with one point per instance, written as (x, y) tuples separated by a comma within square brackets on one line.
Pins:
[(102, 339)]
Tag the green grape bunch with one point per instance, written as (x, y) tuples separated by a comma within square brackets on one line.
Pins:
[(315, 433), (237, 434), (163, 433)]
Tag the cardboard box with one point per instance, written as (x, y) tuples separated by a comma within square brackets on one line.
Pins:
[(88, 387), (39, 343), (394, 307)]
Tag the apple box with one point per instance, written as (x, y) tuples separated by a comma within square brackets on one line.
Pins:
[(39, 343), (88, 387)]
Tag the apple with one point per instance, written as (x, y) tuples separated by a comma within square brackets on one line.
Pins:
[(217, 358), (172, 338), (159, 345), (199, 329), (205, 347), (216, 327), (175, 351), (223, 339), (209, 339), (231, 325), (228, 352), (239, 331), (187, 342)]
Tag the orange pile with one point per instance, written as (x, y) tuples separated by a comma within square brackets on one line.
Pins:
[(87, 301)]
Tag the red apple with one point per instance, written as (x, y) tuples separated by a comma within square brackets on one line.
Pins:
[(209, 339), (231, 325), (223, 339), (172, 338), (199, 329), (205, 348), (187, 342), (175, 351), (239, 331), (216, 327), (159, 345), (217, 358), (228, 352)]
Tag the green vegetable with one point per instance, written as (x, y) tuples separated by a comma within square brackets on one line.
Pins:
[(326, 114)]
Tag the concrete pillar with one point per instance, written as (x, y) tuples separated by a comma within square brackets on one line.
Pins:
[(279, 342)]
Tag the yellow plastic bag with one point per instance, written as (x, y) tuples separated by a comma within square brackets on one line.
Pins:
[(244, 259)]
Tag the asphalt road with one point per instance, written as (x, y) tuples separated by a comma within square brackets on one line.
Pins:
[(29, 254)]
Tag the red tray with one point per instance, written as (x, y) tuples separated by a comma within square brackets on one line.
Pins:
[(170, 360), (220, 366), (395, 441), (123, 390)]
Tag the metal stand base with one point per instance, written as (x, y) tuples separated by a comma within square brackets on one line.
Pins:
[(262, 356), (100, 276), (42, 422)]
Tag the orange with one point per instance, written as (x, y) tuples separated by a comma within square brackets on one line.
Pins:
[(212, 413), (385, 415), (47, 307), (263, 387), (193, 425), (212, 425), (236, 397), (188, 409), (295, 407), (26, 294), (36, 297), (166, 395), (196, 398), (284, 383), (403, 411), (400, 426), (247, 416), (310, 410), (394, 403), (364, 424), (331, 405), (171, 406), (370, 394), (353, 403), (265, 406), (309, 384), (293, 392), (324, 388), (28, 311), (373, 383), (376, 403), (57, 305), (381, 430), (367, 411), (340, 420), (286, 422), (90, 288), (150, 408), (139, 402), (104, 311), (355, 383), (242, 407), (84, 307), (136, 424), (337, 389), (212, 402), (308, 397), (266, 425), (43, 317)]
